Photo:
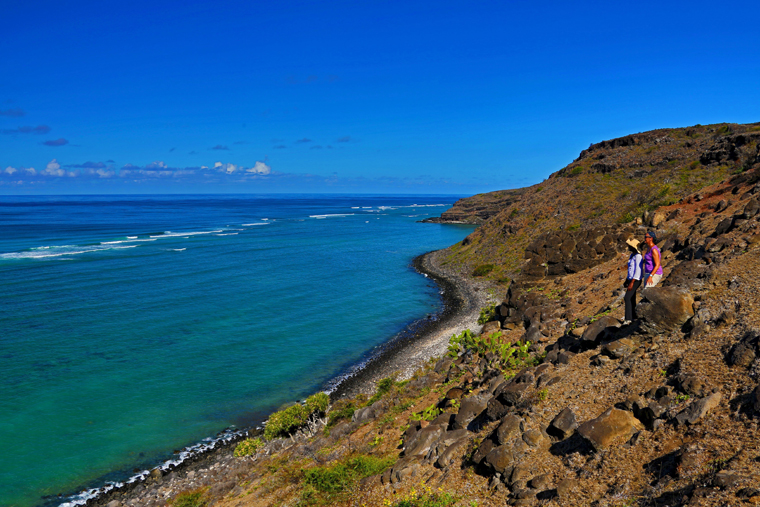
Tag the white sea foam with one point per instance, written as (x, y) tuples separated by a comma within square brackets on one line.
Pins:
[(131, 237), (126, 241), (169, 234), (206, 445), (59, 251), (178, 249), (228, 234), (257, 223), (331, 215)]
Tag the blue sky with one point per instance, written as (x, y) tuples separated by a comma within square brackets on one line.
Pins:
[(380, 97)]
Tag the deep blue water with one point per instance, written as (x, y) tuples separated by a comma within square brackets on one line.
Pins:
[(131, 326)]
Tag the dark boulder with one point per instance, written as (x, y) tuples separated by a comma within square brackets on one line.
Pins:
[(743, 352), (563, 425), (614, 426), (470, 408), (511, 426), (664, 309), (698, 409), (598, 331)]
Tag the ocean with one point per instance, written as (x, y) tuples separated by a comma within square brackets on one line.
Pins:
[(132, 327)]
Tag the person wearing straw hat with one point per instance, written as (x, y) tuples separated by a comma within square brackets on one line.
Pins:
[(633, 280)]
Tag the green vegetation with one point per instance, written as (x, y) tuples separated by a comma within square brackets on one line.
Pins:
[(427, 498), (327, 482), (543, 394), (287, 421), (384, 386), (427, 414), (483, 270), (511, 356), (248, 447), (190, 499), (575, 171), (342, 409), (487, 314)]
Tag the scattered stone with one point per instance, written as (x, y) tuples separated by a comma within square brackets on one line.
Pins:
[(725, 479), (744, 352), (454, 393), (698, 409), (510, 427), (500, 458), (566, 487), (613, 426), (422, 441), (563, 425), (533, 438), (597, 331), (691, 384), (470, 408), (447, 456), (664, 309), (507, 395), (564, 357), (619, 348), (541, 482)]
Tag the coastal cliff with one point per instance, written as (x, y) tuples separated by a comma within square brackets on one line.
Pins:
[(552, 399)]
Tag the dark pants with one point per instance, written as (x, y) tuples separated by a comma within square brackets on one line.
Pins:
[(630, 301)]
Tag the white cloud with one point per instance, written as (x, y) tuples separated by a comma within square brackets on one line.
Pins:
[(158, 164), (10, 170), (260, 168), (101, 173), (53, 168), (30, 170)]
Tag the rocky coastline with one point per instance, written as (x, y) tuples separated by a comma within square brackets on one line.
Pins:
[(462, 298)]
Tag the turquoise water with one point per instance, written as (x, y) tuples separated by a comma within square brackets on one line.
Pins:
[(131, 327)]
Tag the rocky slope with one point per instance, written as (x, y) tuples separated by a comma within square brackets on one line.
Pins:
[(611, 182), (556, 402)]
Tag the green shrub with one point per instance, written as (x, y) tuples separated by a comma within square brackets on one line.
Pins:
[(483, 270), (340, 477), (487, 314), (189, 499), (575, 171), (384, 386), (427, 414), (511, 356), (248, 447), (342, 409), (287, 421), (626, 218), (427, 498)]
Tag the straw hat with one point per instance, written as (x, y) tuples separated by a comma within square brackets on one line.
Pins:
[(633, 242)]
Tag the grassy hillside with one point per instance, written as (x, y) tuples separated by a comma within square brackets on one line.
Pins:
[(612, 182)]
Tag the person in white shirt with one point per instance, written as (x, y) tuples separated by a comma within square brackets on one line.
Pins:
[(633, 280)]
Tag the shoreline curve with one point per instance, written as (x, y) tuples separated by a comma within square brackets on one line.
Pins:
[(462, 298)]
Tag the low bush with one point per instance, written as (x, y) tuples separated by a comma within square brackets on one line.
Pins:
[(426, 498), (511, 356), (248, 447), (384, 386), (342, 409), (483, 270), (336, 479), (287, 421), (189, 499), (487, 314)]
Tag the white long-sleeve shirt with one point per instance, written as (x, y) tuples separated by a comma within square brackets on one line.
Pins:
[(634, 266)]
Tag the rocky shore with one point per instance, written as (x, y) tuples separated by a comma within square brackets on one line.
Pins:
[(462, 299)]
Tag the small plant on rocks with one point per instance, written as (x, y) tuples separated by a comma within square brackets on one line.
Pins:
[(248, 447), (287, 421)]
